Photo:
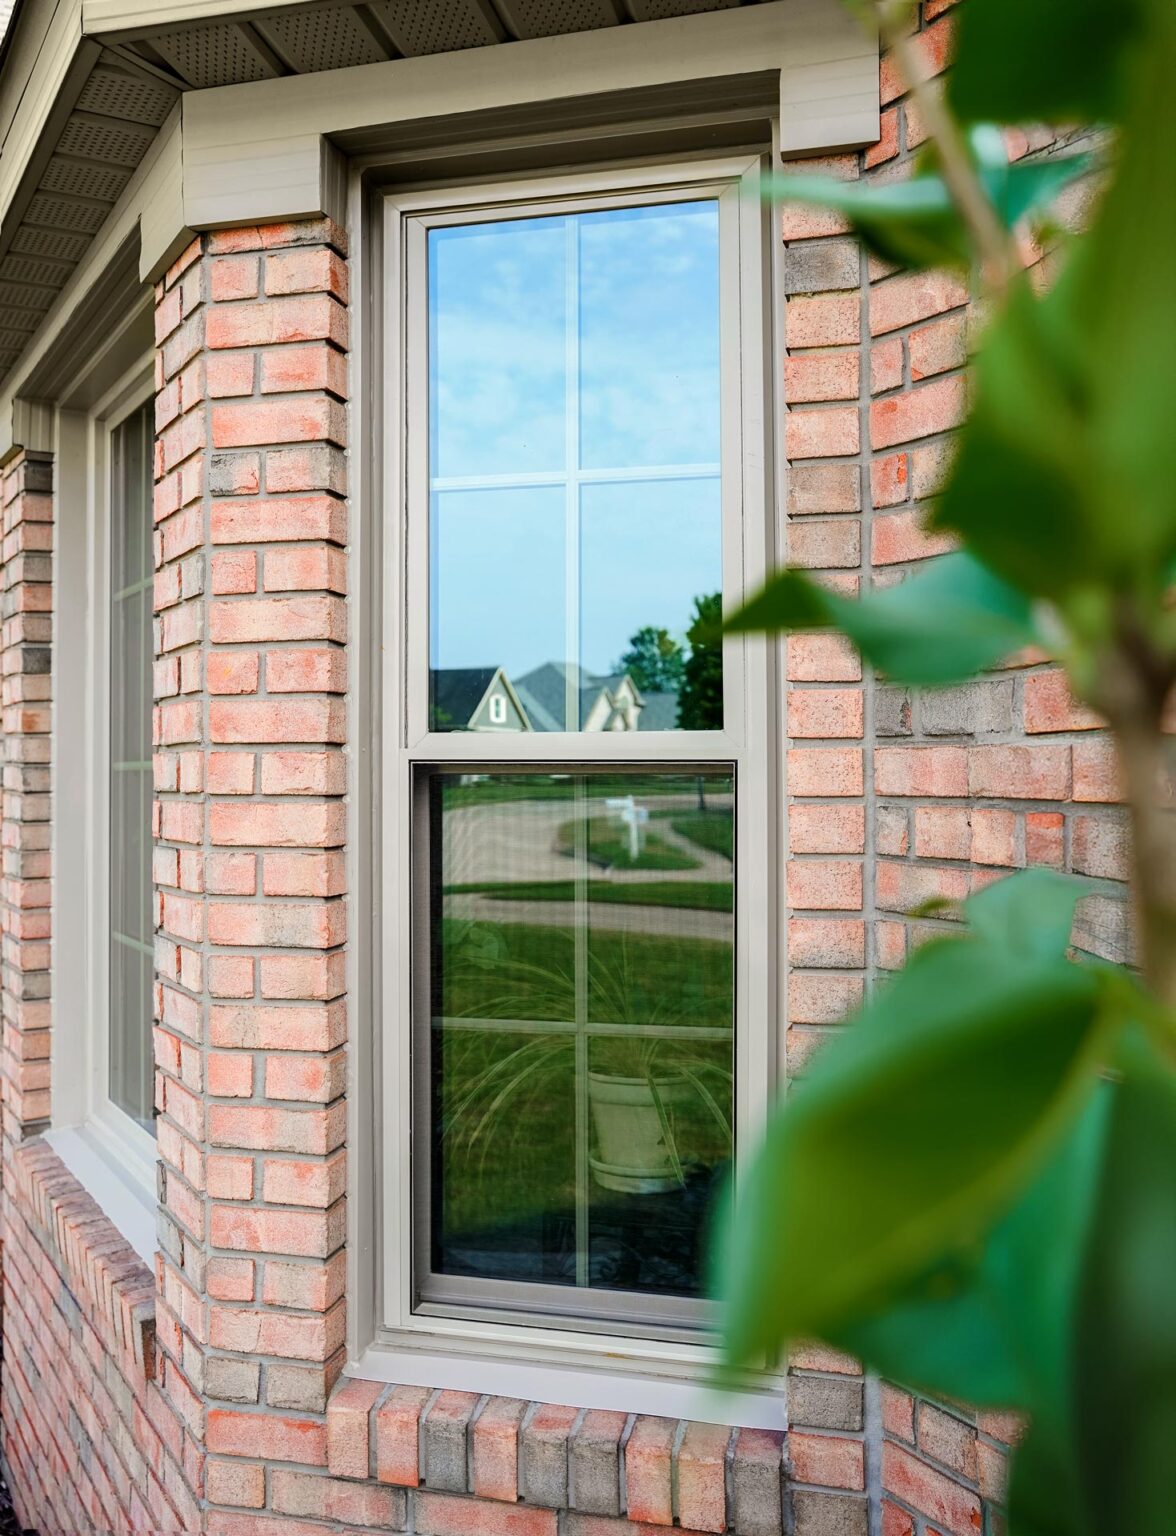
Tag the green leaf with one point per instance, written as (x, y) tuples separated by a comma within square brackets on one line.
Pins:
[(1124, 1371), (914, 223), (1029, 914), (1065, 478), (949, 621), (1053, 61), (843, 1205), (992, 1324)]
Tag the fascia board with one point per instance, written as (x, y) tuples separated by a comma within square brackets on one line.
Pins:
[(248, 149), (119, 20), (44, 97)]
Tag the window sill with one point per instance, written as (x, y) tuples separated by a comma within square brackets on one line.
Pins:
[(119, 1179), (629, 1391)]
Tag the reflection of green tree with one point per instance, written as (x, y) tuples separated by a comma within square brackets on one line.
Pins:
[(655, 661), (700, 700)]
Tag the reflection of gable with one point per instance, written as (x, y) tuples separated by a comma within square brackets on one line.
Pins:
[(500, 708)]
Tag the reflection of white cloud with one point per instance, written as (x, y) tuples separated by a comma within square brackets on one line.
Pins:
[(649, 341)]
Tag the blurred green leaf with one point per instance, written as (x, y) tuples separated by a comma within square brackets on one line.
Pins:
[(842, 1204), (914, 223), (1020, 61), (992, 1325), (949, 621), (1028, 914), (1065, 477), (1124, 1370)]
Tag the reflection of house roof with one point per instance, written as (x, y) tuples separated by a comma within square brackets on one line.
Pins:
[(660, 712), (457, 691)]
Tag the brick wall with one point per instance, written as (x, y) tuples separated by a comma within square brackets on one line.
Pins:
[(208, 1397)]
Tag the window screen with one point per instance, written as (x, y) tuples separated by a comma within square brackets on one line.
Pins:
[(131, 958)]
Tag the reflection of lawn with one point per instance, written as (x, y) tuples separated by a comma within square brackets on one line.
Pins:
[(712, 830), (534, 786), (699, 895), (524, 971), (608, 846)]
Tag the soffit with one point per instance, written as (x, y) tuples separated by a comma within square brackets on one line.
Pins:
[(110, 71)]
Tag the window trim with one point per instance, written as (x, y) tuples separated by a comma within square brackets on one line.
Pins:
[(393, 1342), (105, 1149)]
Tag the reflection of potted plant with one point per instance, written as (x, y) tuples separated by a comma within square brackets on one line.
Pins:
[(649, 1095)]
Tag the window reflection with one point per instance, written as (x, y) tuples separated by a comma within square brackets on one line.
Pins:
[(575, 494), (580, 1025)]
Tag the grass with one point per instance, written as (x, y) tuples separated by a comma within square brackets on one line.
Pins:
[(499, 787), (712, 830), (608, 846), (697, 895)]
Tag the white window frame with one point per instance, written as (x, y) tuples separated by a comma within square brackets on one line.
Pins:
[(660, 1370), (104, 1147)]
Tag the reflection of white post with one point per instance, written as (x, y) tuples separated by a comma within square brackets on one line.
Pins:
[(634, 817)]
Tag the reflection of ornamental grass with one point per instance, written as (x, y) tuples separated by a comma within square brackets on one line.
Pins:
[(499, 1092)]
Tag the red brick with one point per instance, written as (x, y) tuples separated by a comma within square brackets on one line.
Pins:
[(397, 1422), (313, 317), (829, 1461), (1019, 773), (1044, 837), (886, 365), (648, 1470), (1096, 772), (898, 1413), (826, 828), (313, 419), (823, 488), (826, 942), (825, 998), (347, 1428), (702, 1476), (939, 347), (904, 887), (994, 838), (1101, 846), (923, 771), (889, 480), (233, 277), (824, 885), (913, 296), (943, 832), (902, 536), (887, 146), (823, 320), (955, 1509), (921, 412), (822, 659), (825, 712), (269, 1436), (822, 434), (825, 771), (442, 1514), (1049, 706), (495, 1457), (825, 545), (821, 376)]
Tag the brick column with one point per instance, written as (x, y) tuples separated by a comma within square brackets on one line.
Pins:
[(250, 775), (25, 639)]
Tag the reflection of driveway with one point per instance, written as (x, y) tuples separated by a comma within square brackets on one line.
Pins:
[(516, 840), (610, 917)]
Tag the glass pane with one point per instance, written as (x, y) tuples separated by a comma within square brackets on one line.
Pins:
[(497, 339), (497, 609), (574, 472), (651, 567), (649, 324), (130, 910), (580, 1028)]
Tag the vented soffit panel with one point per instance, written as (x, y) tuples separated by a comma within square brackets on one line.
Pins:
[(132, 60)]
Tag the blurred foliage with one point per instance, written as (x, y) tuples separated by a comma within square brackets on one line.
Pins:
[(974, 1187)]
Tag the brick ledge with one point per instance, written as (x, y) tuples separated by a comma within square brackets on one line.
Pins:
[(106, 1277)]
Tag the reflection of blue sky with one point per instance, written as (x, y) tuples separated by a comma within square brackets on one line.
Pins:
[(498, 579), (647, 551), (644, 320)]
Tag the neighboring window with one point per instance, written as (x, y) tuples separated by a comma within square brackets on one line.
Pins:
[(576, 768), (131, 958)]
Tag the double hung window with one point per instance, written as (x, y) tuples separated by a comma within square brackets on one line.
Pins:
[(579, 785)]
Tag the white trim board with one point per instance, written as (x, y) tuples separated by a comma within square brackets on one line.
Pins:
[(255, 152)]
